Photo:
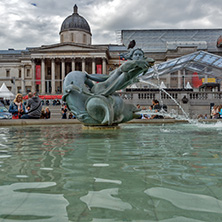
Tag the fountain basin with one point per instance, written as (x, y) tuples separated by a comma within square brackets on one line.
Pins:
[(139, 172)]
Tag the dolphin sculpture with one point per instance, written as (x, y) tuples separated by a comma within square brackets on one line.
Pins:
[(92, 98)]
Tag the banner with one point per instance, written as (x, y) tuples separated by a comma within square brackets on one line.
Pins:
[(99, 69), (38, 74), (209, 80), (196, 82)]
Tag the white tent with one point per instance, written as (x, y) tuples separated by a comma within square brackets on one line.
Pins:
[(162, 85), (133, 86), (188, 86), (5, 93)]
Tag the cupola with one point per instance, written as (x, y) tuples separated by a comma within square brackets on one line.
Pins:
[(75, 29)]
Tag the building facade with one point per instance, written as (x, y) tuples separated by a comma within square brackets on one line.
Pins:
[(43, 68), (167, 44)]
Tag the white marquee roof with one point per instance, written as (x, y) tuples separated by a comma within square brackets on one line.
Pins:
[(200, 62), (5, 92)]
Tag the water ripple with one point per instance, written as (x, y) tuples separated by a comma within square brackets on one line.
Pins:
[(103, 199), (187, 201)]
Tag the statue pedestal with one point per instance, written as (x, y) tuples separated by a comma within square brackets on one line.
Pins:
[(100, 127)]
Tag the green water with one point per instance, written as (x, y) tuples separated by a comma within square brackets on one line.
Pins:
[(138, 173)]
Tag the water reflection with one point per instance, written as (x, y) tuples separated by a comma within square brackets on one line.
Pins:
[(22, 201), (104, 199), (100, 180), (102, 175), (187, 201)]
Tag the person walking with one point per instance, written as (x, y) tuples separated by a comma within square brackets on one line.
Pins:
[(34, 107)]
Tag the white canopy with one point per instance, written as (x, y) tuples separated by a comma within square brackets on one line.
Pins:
[(5, 93), (188, 86), (133, 86), (162, 85)]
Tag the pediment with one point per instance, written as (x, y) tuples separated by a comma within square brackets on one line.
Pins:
[(69, 47)]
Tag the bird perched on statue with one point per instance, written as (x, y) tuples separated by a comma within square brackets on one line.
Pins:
[(131, 44)]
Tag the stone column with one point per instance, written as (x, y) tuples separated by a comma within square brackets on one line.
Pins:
[(63, 72), (43, 76), (83, 64), (93, 66), (73, 64), (53, 75), (179, 79), (104, 66), (63, 69), (33, 76), (23, 80)]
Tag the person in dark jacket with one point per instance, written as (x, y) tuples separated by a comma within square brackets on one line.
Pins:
[(34, 107), (157, 108)]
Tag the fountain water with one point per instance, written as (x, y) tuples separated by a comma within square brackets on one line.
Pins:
[(139, 173), (161, 89)]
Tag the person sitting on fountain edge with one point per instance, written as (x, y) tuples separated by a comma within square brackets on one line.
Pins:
[(34, 107), (156, 108)]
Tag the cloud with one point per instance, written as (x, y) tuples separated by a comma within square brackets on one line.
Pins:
[(26, 25), (107, 17)]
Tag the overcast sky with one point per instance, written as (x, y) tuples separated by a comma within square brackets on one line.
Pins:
[(32, 23)]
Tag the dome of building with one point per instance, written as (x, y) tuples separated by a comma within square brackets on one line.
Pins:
[(75, 22)]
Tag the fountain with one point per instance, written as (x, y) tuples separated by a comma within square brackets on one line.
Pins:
[(98, 104), (162, 111), (139, 173)]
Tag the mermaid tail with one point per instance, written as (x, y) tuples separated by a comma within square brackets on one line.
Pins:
[(100, 109)]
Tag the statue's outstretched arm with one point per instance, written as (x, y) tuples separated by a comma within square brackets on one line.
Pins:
[(123, 79), (132, 64), (97, 77)]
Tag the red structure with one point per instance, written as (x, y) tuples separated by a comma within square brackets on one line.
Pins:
[(196, 82), (219, 42), (38, 74), (46, 97)]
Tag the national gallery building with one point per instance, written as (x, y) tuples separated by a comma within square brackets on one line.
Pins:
[(43, 68)]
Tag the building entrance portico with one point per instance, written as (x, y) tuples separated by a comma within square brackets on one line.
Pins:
[(55, 67)]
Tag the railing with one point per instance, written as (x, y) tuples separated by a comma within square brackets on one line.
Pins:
[(218, 95), (198, 96), (143, 97)]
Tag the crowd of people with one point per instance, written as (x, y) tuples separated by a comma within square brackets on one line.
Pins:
[(154, 108), (64, 111), (32, 109), (216, 112)]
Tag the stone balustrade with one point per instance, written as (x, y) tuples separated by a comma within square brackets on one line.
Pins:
[(198, 102)]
